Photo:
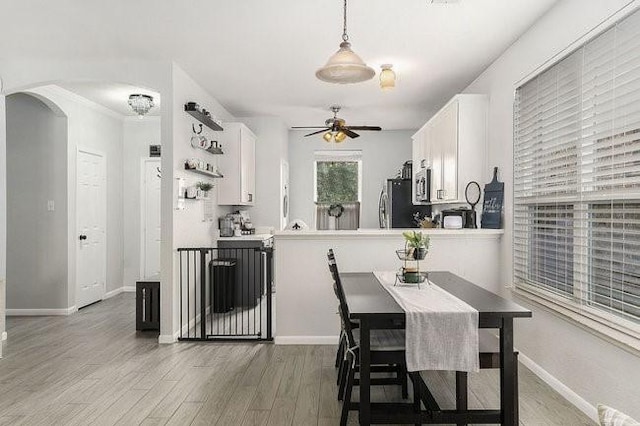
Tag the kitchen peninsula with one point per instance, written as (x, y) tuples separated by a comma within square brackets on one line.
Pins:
[(306, 305)]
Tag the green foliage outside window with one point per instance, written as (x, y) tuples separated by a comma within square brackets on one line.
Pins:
[(337, 182)]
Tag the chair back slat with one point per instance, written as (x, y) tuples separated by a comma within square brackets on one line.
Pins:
[(342, 303)]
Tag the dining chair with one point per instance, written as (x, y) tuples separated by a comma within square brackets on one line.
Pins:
[(387, 351)]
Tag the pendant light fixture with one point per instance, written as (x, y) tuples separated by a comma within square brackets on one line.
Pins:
[(141, 104), (344, 66)]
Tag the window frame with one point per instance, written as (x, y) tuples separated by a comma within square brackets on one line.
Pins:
[(576, 308), (337, 156)]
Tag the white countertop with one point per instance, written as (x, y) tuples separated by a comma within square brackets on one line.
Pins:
[(388, 233), (254, 237)]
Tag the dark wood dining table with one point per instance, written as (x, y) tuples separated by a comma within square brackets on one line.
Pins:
[(375, 308)]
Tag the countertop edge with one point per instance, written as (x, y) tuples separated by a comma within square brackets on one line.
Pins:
[(373, 234)]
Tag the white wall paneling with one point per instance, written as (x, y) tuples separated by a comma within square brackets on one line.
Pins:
[(305, 302)]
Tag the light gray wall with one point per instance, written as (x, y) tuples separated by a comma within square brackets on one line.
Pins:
[(383, 154), (36, 172), (189, 229), (93, 128), (271, 148), (138, 135), (594, 369)]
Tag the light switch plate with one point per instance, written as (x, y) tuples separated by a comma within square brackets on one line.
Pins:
[(51, 205)]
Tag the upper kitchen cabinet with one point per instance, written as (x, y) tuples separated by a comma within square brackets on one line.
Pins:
[(455, 142), (238, 165)]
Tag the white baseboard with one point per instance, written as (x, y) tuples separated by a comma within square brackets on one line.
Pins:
[(112, 293), (123, 289), (580, 403), (306, 340), (40, 312), (165, 339)]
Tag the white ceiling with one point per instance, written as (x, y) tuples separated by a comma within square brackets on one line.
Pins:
[(114, 96), (259, 57)]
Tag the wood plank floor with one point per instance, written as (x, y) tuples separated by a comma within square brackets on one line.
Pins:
[(93, 368)]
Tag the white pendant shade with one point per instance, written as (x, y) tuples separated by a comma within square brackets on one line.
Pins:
[(345, 67)]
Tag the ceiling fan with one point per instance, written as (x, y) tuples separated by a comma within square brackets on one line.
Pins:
[(336, 129)]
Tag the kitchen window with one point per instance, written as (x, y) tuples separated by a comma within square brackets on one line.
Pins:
[(576, 236), (337, 189)]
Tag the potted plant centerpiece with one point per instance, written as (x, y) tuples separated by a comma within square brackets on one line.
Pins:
[(416, 249), (205, 187), (417, 244)]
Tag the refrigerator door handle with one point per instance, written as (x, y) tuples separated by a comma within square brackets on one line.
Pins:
[(383, 210)]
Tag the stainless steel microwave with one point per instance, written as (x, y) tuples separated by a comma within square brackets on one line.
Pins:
[(423, 186)]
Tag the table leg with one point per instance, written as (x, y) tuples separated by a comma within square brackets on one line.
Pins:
[(508, 398), (365, 373)]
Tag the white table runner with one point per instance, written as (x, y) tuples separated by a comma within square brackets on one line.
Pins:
[(441, 330)]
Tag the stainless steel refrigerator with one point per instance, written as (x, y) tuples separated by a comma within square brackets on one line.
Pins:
[(395, 208)]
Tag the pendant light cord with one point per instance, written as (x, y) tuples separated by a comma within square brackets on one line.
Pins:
[(345, 37)]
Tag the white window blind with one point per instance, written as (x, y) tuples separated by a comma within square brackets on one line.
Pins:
[(577, 176)]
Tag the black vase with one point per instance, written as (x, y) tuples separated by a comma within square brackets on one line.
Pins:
[(419, 253)]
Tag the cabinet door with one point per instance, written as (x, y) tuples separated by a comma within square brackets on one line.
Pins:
[(436, 173), (448, 134), (248, 167)]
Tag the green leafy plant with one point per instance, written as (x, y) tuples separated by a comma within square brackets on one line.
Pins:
[(416, 239), (417, 244), (204, 186)]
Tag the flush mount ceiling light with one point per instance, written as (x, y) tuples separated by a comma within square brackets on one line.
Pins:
[(344, 66), (141, 104), (387, 77)]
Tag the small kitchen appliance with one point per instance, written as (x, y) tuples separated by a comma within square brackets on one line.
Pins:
[(407, 170), (226, 226), (458, 218)]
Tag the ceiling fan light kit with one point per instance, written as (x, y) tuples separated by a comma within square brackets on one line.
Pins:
[(345, 66), (336, 130), (387, 77)]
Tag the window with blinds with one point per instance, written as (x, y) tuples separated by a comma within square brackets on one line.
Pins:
[(577, 176)]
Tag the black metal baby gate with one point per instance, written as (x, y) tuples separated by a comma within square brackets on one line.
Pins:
[(225, 293)]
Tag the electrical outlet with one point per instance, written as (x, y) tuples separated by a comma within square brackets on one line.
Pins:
[(51, 205)]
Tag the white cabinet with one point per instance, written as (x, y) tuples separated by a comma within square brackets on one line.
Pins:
[(238, 165), (455, 144)]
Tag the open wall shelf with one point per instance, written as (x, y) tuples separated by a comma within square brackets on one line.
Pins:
[(204, 172), (207, 121)]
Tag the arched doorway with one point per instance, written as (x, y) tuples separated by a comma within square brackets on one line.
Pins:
[(97, 120)]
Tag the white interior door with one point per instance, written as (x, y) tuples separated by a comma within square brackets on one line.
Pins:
[(91, 208), (151, 218)]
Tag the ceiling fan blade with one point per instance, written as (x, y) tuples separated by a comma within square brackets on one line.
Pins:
[(319, 131), (350, 133), (309, 127), (375, 128)]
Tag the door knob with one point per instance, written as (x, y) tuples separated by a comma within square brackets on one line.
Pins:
[(83, 237)]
